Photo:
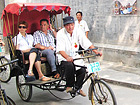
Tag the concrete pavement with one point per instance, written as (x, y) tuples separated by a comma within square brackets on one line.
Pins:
[(119, 74)]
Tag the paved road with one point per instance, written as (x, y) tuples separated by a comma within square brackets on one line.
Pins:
[(125, 96)]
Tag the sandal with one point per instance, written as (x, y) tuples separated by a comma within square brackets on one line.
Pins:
[(30, 73), (44, 78)]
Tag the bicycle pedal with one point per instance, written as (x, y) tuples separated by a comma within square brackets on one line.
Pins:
[(73, 93)]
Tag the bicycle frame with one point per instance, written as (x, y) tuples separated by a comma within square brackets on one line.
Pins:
[(6, 100), (91, 75)]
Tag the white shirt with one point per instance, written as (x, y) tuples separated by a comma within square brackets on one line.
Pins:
[(70, 44), (82, 25), (24, 42)]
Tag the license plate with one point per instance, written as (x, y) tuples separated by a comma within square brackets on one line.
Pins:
[(94, 67)]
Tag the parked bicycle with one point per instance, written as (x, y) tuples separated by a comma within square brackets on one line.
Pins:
[(4, 99), (6, 67), (5, 70)]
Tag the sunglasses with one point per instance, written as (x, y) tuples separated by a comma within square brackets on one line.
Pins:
[(22, 27)]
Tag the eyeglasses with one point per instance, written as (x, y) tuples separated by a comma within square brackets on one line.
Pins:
[(22, 27)]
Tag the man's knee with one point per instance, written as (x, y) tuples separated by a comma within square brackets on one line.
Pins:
[(81, 71), (48, 52), (67, 64)]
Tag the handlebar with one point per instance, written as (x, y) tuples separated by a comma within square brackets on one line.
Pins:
[(90, 56), (15, 60), (84, 51)]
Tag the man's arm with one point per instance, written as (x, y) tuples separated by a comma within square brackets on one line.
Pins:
[(53, 30), (68, 58), (87, 34), (86, 29), (41, 47), (95, 51)]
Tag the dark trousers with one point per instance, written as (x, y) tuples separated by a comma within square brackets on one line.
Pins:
[(70, 74)]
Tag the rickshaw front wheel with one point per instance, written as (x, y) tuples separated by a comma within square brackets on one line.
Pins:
[(24, 91)]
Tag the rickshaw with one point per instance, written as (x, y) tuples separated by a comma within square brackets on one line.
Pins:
[(99, 91), (32, 13)]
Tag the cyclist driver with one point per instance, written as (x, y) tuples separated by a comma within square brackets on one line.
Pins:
[(68, 40)]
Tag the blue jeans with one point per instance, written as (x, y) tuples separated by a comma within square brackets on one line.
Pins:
[(49, 54)]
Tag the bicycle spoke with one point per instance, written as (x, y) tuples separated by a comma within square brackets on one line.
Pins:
[(102, 94), (5, 70)]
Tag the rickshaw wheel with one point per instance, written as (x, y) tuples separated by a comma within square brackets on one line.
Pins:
[(5, 71), (24, 91)]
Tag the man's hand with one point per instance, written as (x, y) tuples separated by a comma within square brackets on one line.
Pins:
[(50, 47), (69, 59), (51, 27), (96, 52)]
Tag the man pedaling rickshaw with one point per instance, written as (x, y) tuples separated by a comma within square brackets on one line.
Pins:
[(68, 40)]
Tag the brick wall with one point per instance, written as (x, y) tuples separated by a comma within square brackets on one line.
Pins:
[(107, 31)]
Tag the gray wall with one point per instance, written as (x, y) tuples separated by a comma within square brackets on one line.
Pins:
[(1, 8), (116, 36)]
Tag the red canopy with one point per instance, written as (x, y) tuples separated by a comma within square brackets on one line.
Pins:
[(31, 13)]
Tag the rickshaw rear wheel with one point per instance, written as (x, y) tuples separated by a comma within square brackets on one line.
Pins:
[(24, 91), (5, 71)]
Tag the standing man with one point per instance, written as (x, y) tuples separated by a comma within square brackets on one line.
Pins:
[(80, 23), (68, 40), (44, 40)]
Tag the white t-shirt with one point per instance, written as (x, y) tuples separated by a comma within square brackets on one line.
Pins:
[(82, 25), (70, 44), (23, 42)]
